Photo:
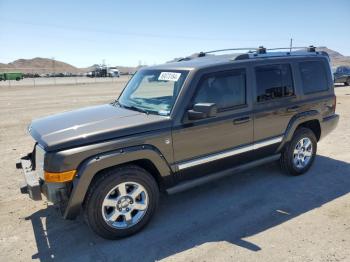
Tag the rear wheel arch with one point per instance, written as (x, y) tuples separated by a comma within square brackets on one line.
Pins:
[(314, 126), (310, 119), (298, 152), (347, 81)]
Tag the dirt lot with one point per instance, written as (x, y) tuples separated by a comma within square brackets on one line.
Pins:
[(259, 215)]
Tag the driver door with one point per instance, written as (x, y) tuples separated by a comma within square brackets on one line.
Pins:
[(213, 144)]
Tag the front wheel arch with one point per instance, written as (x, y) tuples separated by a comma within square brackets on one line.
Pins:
[(94, 165), (122, 175), (146, 164)]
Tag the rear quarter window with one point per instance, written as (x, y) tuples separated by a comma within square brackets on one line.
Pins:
[(313, 76)]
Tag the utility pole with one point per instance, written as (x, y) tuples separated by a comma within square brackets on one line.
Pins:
[(54, 70), (33, 76), (291, 45), (104, 67)]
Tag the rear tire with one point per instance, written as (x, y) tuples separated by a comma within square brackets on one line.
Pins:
[(121, 202), (299, 154)]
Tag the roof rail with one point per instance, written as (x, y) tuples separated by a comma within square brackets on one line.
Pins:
[(230, 49), (290, 48), (259, 50)]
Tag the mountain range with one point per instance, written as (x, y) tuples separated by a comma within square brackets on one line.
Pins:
[(45, 65)]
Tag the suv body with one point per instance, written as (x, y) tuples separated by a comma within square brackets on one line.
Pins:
[(227, 113), (342, 75)]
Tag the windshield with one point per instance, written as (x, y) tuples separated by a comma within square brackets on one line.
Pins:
[(153, 91)]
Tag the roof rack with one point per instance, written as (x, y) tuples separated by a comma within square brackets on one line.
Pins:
[(201, 54), (261, 51)]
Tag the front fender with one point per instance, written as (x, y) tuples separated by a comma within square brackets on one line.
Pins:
[(93, 165), (295, 122)]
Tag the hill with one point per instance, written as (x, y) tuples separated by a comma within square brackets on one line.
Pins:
[(45, 65), (337, 59), (40, 65)]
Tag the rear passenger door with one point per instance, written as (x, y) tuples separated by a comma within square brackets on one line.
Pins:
[(273, 107)]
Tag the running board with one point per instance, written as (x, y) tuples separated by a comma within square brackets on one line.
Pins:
[(208, 178)]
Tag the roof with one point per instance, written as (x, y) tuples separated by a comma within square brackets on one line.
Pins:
[(209, 60), (197, 62)]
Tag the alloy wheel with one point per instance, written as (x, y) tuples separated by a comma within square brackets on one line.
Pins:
[(125, 205), (302, 153)]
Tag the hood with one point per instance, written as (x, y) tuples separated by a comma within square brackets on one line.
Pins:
[(91, 125)]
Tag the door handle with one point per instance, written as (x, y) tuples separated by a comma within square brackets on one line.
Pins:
[(293, 108), (241, 120)]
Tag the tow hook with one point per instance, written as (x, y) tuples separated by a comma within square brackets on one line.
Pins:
[(24, 189), (19, 165)]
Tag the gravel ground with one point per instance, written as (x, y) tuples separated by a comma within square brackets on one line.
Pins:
[(258, 215)]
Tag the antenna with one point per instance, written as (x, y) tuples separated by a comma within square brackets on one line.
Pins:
[(291, 45)]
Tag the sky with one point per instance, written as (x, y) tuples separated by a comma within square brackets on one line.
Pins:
[(129, 33)]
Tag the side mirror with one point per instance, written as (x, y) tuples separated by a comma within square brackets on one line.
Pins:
[(202, 110)]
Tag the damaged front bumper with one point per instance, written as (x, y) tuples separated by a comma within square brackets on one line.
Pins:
[(34, 185)]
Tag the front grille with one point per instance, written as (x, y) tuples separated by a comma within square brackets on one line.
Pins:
[(39, 161)]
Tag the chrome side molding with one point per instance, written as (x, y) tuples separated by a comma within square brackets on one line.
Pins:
[(208, 178), (229, 153)]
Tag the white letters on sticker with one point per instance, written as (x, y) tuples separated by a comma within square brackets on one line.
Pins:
[(169, 76)]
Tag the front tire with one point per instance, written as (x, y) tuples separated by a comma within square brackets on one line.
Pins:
[(121, 202), (299, 154)]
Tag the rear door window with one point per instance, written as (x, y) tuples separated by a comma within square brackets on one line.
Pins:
[(313, 76), (274, 82)]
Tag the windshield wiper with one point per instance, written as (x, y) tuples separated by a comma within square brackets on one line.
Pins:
[(115, 103), (135, 108)]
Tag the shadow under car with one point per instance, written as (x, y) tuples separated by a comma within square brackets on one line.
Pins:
[(228, 209)]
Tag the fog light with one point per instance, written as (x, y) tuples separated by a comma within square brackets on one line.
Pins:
[(66, 176)]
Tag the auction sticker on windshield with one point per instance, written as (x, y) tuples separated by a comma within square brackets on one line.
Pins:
[(169, 76)]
